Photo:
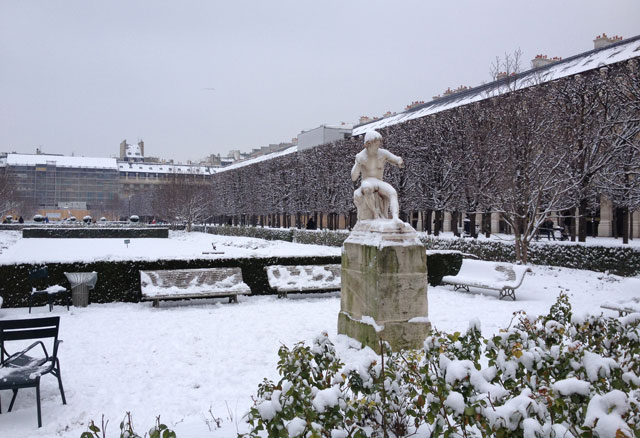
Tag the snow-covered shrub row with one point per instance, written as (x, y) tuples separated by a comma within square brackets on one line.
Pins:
[(285, 234), (313, 237), (557, 375), (119, 281), (616, 260), (320, 237), (96, 232)]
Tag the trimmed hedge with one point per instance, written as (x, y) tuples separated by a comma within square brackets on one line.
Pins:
[(617, 260), (624, 261), (96, 233), (119, 281), (441, 264)]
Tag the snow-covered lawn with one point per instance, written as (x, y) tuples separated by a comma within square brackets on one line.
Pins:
[(179, 245), (182, 360)]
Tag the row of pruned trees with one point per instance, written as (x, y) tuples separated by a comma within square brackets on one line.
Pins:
[(525, 153)]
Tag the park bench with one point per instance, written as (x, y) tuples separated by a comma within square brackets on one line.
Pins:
[(192, 283), (21, 370), (307, 278), (623, 308), (502, 277)]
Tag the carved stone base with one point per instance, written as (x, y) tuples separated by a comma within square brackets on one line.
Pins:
[(384, 285)]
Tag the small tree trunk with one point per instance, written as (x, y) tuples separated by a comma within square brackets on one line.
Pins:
[(438, 223), (472, 225), (582, 221), (428, 224), (454, 223), (486, 223), (625, 225)]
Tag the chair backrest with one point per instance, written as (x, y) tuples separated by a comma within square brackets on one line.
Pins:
[(39, 274), (31, 328), (38, 278)]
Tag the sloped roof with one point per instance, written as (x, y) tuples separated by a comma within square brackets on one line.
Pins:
[(61, 161), (621, 51)]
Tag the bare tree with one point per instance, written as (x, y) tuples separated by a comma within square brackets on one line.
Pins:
[(621, 182), (182, 199), (530, 165), (584, 127), (7, 192)]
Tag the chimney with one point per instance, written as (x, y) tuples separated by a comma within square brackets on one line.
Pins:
[(141, 145), (604, 40), (364, 119), (123, 149), (541, 61), (414, 104)]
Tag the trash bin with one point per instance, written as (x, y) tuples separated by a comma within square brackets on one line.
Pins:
[(81, 282)]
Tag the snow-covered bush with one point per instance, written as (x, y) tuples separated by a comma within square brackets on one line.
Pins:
[(556, 375), (285, 234), (614, 259)]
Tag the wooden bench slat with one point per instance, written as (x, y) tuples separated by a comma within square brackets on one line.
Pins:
[(303, 278), (192, 283)]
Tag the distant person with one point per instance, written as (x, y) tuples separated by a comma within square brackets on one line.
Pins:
[(20, 220), (311, 224), (46, 219), (548, 227)]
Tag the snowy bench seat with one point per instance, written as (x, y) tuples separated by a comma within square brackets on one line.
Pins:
[(192, 283), (503, 277), (623, 308), (306, 278)]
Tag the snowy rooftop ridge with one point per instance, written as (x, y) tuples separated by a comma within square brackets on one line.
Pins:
[(621, 51), (61, 161), (271, 156)]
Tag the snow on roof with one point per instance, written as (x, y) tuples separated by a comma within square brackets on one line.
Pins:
[(622, 51), (346, 126), (193, 169), (61, 161), (266, 157)]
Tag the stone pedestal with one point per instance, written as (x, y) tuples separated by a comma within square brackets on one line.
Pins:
[(384, 285)]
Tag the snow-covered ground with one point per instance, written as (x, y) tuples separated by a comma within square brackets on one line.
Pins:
[(179, 245), (183, 361)]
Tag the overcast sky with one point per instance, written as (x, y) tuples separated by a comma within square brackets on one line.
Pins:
[(192, 78)]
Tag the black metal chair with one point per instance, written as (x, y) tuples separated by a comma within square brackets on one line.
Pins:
[(21, 370), (37, 279)]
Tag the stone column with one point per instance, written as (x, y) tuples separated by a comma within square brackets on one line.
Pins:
[(384, 286), (446, 226), (635, 217), (495, 223), (605, 228)]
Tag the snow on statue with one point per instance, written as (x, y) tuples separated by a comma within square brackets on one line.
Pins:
[(374, 198)]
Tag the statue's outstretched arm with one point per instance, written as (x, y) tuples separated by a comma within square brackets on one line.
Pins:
[(392, 158)]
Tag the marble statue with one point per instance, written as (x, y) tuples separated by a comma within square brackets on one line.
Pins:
[(384, 265), (374, 199)]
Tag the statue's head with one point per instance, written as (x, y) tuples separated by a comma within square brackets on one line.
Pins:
[(372, 139)]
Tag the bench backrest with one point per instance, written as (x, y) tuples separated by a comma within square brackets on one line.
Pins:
[(25, 329), (281, 276), (493, 271), (190, 278)]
